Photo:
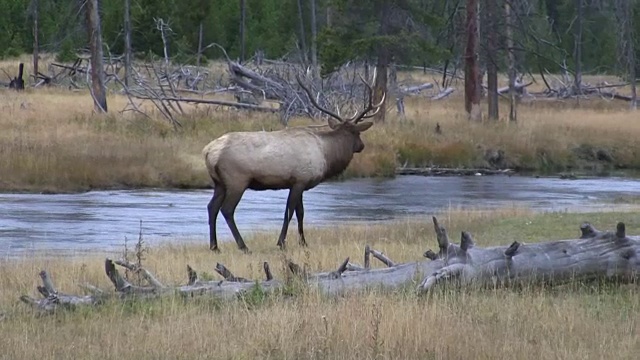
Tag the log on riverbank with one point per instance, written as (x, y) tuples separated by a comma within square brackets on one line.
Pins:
[(436, 171), (595, 254)]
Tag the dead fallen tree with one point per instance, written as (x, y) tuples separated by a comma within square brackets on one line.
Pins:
[(594, 255), (436, 171)]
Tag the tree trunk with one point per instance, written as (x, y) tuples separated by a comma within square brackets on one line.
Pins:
[(492, 67), (471, 86), (382, 64), (626, 50), (513, 105), (631, 54), (314, 39), (380, 86), (127, 41), (596, 255), (577, 51), (632, 79), (36, 44), (303, 41), (199, 57), (98, 90), (242, 30)]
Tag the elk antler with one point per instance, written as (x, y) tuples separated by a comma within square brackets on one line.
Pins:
[(358, 116), (315, 103)]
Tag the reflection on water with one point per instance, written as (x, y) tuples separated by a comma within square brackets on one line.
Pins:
[(101, 220)]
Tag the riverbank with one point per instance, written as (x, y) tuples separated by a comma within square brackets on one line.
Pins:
[(595, 321), (51, 142)]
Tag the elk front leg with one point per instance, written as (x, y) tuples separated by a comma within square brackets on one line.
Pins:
[(292, 201)]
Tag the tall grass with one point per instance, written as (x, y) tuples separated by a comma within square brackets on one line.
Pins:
[(574, 322), (50, 140)]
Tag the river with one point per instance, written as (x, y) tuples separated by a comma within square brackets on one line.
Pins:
[(99, 221)]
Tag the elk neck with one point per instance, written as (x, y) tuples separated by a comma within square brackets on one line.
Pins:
[(338, 151)]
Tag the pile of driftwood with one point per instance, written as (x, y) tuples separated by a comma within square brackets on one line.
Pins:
[(595, 255), (565, 87)]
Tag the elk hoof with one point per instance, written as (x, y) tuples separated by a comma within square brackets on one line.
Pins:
[(246, 250), (215, 249)]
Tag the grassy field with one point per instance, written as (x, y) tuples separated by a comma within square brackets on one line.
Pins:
[(51, 141), (571, 322)]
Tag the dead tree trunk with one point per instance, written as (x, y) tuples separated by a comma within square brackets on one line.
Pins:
[(492, 66), (383, 61), (303, 41), (17, 83), (513, 105), (577, 50), (595, 255), (471, 86), (127, 41), (626, 49), (243, 13), (199, 57), (632, 79), (36, 44), (97, 88), (314, 39)]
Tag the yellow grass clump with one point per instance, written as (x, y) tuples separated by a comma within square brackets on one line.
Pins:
[(573, 322)]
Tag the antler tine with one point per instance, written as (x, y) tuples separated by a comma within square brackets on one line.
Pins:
[(315, 103), (359, 116)]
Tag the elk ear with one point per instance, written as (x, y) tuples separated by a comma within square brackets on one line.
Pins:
[(363, 126), (333, 123)]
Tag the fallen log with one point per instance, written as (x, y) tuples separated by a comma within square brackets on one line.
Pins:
[(518, 87), (208, 102), (443, 94), (413, 90), (436, 171), (594, 255), (17, 83)]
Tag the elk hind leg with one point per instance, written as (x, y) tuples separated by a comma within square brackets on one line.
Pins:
[(300, 218), (231, 200), (213, 209)]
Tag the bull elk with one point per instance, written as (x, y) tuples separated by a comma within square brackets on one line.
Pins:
[(297, 159)]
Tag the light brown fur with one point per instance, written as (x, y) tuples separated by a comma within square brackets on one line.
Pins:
[(297, 159)]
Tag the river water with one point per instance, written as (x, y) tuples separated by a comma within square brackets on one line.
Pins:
[(99, 221)]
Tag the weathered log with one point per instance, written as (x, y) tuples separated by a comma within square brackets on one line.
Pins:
[(518, 86), (52, 299), (228, 275), (17, 83), (209, 102), (595, 254), (412, 90), (137, 269), (443, 94), (267, 271), (436, 171)]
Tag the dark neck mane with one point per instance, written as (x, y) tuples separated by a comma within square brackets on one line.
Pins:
[(338, 151)]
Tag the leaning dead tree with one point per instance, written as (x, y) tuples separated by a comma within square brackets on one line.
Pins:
[(594, 255), (97, 88)]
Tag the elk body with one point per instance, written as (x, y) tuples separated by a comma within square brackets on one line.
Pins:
[(297, 159)]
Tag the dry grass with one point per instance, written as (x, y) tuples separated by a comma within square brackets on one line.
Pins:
[(575, 322), (51, 141)]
